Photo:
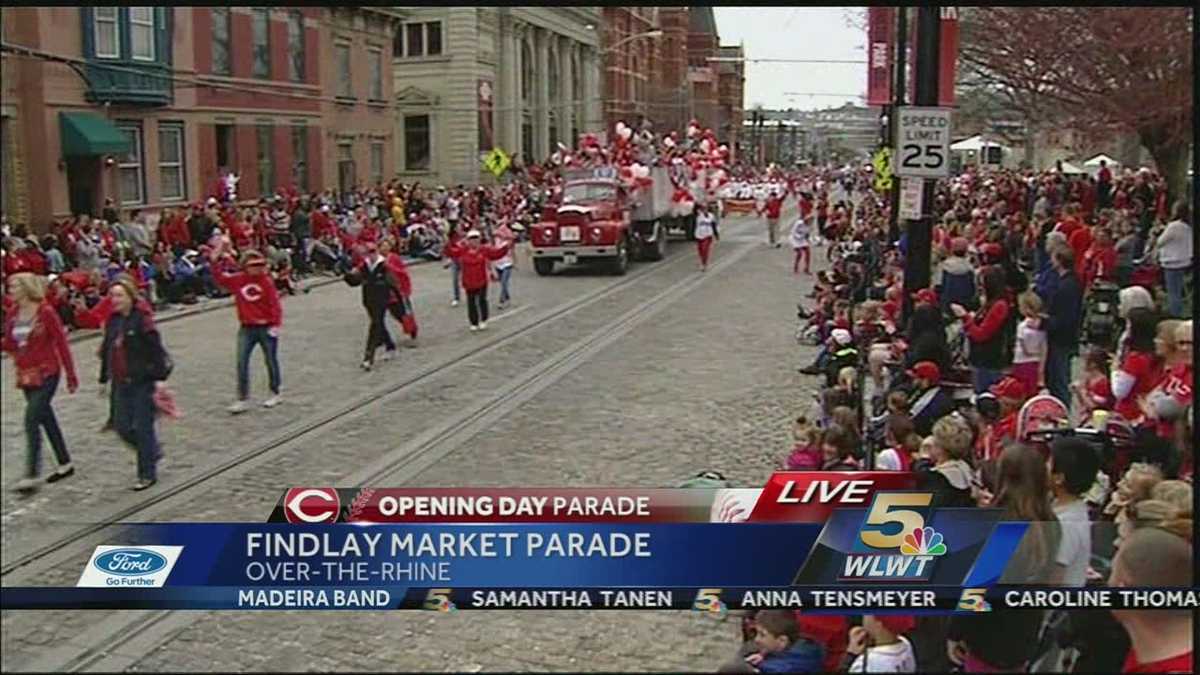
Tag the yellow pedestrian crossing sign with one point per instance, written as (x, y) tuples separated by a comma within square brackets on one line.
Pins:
[(882, 161), (497, 161)]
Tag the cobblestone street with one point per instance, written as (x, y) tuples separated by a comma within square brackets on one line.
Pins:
[(702, 378)]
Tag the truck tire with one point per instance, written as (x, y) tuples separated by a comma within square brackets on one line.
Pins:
[(619, 264), (543, 266), (657, 250)]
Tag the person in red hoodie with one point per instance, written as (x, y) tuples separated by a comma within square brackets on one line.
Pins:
[(472, 257), (1100, 260), (34, 335), (771, 210), (260, 314), (399, 302)]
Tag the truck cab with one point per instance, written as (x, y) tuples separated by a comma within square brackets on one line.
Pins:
[(590, 224)]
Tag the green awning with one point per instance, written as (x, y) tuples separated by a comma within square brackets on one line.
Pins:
[(88, 135)]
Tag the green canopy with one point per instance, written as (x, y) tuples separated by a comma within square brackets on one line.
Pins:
[(87, 135)]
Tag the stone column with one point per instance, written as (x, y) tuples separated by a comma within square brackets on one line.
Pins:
[(541, 83), (567, 91), (508, 103)]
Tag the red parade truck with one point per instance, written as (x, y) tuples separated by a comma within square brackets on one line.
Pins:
[(602, 219)]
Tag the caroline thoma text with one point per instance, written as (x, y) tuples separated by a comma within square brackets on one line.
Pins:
[(448, 544)]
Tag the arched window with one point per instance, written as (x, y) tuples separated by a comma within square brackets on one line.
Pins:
[(526, 71)]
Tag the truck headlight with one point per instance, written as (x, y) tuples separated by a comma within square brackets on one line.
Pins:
[(596, 232)]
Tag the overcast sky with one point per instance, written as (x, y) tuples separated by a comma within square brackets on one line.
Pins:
[(797, 33)]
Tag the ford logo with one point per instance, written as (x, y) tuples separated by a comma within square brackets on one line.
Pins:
[(130, 562)]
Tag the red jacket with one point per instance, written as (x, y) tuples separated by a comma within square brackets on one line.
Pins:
[(1099, 263), (473, 263), (986, 328), (400, 271), (773, 207), (255, 296), (45, 350)]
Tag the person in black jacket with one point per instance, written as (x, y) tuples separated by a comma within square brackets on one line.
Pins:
[(377, 288), (133, 360), (1064, 315)]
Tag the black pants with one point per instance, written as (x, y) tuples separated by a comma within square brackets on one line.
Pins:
[(377, 334), (39, 414), (477, 309)]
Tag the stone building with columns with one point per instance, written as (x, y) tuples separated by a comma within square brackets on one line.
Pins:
[(468, 79)]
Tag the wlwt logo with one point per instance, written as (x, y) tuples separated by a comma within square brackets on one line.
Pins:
[(895, 523), (311, 505)]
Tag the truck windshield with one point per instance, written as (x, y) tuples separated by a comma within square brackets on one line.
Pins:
[(588, 192)]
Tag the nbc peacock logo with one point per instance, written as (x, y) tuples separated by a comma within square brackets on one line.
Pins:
[(923, 541)]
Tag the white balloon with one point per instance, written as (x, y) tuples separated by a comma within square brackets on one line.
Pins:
[(625, 133)]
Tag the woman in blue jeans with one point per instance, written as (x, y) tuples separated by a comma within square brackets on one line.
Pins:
[(35, 337), (504, 236), (135, 364)]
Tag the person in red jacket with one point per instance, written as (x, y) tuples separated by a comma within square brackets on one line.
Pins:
[(986, 332), (34, 335), (260, 314), (472, 258), (399, 302), (1100, 260), (771, 210)]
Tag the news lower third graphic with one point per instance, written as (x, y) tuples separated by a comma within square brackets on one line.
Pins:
[(852, 543)]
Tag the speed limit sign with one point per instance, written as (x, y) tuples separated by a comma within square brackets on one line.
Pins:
[(922, 143)]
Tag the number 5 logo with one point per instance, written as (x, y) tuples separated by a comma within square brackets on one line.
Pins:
[(439, 599), (974, 600), (888, 508), (708, 600)]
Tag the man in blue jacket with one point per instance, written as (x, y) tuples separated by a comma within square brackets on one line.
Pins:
[(1064, 317)]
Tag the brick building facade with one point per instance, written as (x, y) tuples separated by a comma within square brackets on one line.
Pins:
[(670, 101), (145, 105), (630, 63)]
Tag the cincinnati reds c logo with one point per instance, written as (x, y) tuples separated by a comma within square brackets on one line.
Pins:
[(252, 292)]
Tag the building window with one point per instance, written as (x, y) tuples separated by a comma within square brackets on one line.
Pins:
[(296, 46), (132, 178), (260, 24), (527, 139), (342, 55), (266, 161), (414, 37), (172, 186), (221, 63), (416, 143), (433, 39), (346, 177), (376, 162), (418, 39), (141, 33), (226, 159), (108, 32), (375, 63), (300, 157), (526, 71)]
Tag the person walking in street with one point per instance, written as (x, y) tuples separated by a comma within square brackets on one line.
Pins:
[(705, 233), (452, 239), (377, 287), (771, 210), (1064, 316), (1174, 248), (400, 301), (473, 257), (260, 314), (35, 337), (504, 236), (801, 245), (135, 363)]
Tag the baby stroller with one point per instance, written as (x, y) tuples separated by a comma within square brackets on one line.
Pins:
[(1101, 325)]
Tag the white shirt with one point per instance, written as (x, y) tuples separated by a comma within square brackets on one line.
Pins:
[(1031, 343), (1075, 548), (893, 658), (452, 207), (887, 460), (799, 235), (704, 226)]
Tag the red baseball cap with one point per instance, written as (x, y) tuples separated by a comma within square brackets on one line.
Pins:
[(926, 370), (1009, 387), (897, 624), (927, 296)]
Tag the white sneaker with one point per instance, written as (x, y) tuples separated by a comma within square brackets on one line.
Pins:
[(27, 485), (454, 303), (273, 401), (239, 407), (474, 328), (483, 326), (366, 365)]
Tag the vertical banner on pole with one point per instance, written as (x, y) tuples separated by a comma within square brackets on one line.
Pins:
[(948, 56), (880, 28), (486, 137)]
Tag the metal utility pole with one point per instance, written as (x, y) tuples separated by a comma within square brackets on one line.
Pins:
[(920, 232), (898, 92)]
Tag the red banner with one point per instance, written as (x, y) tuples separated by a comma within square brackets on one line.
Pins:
[(880, 28), (948, 56)]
